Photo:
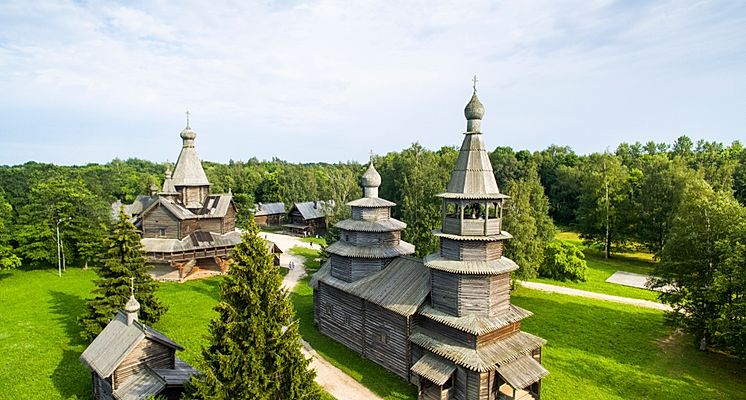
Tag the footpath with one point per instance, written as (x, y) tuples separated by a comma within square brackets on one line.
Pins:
[(593, 295)]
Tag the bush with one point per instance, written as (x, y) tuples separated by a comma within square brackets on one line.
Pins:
[(563, 261)]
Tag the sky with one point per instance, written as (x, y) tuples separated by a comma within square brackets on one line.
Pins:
[(328, 80)]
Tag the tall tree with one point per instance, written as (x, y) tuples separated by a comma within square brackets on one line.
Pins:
[(124, 259), (703, 261), (254, 346), (269, 190), (604, 209)]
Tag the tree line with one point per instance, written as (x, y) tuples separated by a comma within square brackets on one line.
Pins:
[(683, 202)]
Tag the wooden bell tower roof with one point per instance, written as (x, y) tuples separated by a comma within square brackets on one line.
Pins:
[(188, 170)]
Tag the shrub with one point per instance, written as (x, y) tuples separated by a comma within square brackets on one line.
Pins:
[(563, 261)]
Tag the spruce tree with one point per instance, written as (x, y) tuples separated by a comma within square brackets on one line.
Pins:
[(255, 348), (124, 259)]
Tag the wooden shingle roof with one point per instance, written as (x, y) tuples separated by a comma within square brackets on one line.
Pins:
[(140, 386), (195, 240), (401, 287), (116, 341), (433, 368), (361, 225), (345, 249), (312, 209), (486, 358), (522, 372), (269, 209), (188, 170), (474, 324), (476, 267)]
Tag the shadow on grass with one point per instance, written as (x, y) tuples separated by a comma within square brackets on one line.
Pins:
[(70, 377), (5, 275), (208, 287)]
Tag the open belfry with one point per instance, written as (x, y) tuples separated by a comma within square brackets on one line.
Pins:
[(444, 323)]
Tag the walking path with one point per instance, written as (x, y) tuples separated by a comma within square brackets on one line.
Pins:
[(593, 295), (332, 379)]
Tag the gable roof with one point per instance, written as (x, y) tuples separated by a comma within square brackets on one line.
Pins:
[(217, 205), (116, 341), (269, 209), (312, 209), (400, 287)]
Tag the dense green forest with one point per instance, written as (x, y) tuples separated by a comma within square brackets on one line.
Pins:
[(683, 202)]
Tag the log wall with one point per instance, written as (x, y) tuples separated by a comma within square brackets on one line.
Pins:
[(370, 214), (160, 220), (467, 250), (386, 340), (502, 333), (351, 269), (461, 337), (444, 291), (340, 316)]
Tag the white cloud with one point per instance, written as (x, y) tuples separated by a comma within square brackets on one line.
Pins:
[(347, 76)]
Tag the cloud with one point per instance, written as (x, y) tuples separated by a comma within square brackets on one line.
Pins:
[(328, 80)]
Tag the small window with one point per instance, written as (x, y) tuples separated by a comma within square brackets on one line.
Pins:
[(161, 231), (328, 309), (383, 337), (348, 319)]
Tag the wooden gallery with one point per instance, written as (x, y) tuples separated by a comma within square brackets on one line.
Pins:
[(444, 323)]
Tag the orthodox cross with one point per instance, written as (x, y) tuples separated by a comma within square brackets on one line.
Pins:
[(187, 114), (371, 155), (132, 286), (474, 81)]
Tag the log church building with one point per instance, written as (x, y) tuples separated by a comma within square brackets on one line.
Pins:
[(185, 226), (444, 323)]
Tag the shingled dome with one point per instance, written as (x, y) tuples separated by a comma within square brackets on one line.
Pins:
[(132, 305), (371, 177), (474, 109), (188, 133)]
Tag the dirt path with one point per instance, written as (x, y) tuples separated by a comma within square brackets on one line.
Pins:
[(331, 378), (593, 295)]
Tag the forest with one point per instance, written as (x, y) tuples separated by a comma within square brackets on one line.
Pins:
[(683, 202)]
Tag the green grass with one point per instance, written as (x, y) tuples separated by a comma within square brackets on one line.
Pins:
[(596, 349), (599, 269), (375, 378), (311, 257), (602, 350)]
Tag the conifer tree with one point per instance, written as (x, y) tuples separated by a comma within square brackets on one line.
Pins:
[(124, 259), (255, 349)]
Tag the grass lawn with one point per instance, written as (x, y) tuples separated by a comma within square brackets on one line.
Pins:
[(600, 269), (596, 350), (603, 350), (319, 241)]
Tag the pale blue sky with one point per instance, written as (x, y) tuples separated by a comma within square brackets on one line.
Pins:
[(330, 80)]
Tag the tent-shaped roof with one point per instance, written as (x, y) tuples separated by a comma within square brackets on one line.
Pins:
[(116, 341), (188, 170)]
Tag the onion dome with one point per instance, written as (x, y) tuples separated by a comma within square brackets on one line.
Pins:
[(132, 305), (188, 133), (474, 109), (371, 177)]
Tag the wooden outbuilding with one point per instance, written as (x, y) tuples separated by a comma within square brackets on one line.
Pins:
[(444, 323), (269, 214), (130, 360), (308, 218)]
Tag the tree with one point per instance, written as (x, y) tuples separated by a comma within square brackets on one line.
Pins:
[(269, 190), (527, 219), (124, 259), (703, 262), (8, 259), (563, 261), (604, 210), (254, 346)]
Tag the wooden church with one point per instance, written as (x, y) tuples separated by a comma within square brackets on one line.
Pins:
[(444, 323), (184, 225), (130, 360)]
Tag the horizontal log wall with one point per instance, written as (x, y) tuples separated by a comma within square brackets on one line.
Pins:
[(465, 339), (499, 294), (351, 269), (147, 353), (386, 340), (502, 333), (340, 316), (470, 251), (471, 227), (160, 220), (228, 223), (444, 291), (370, 214), (474, 292)]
